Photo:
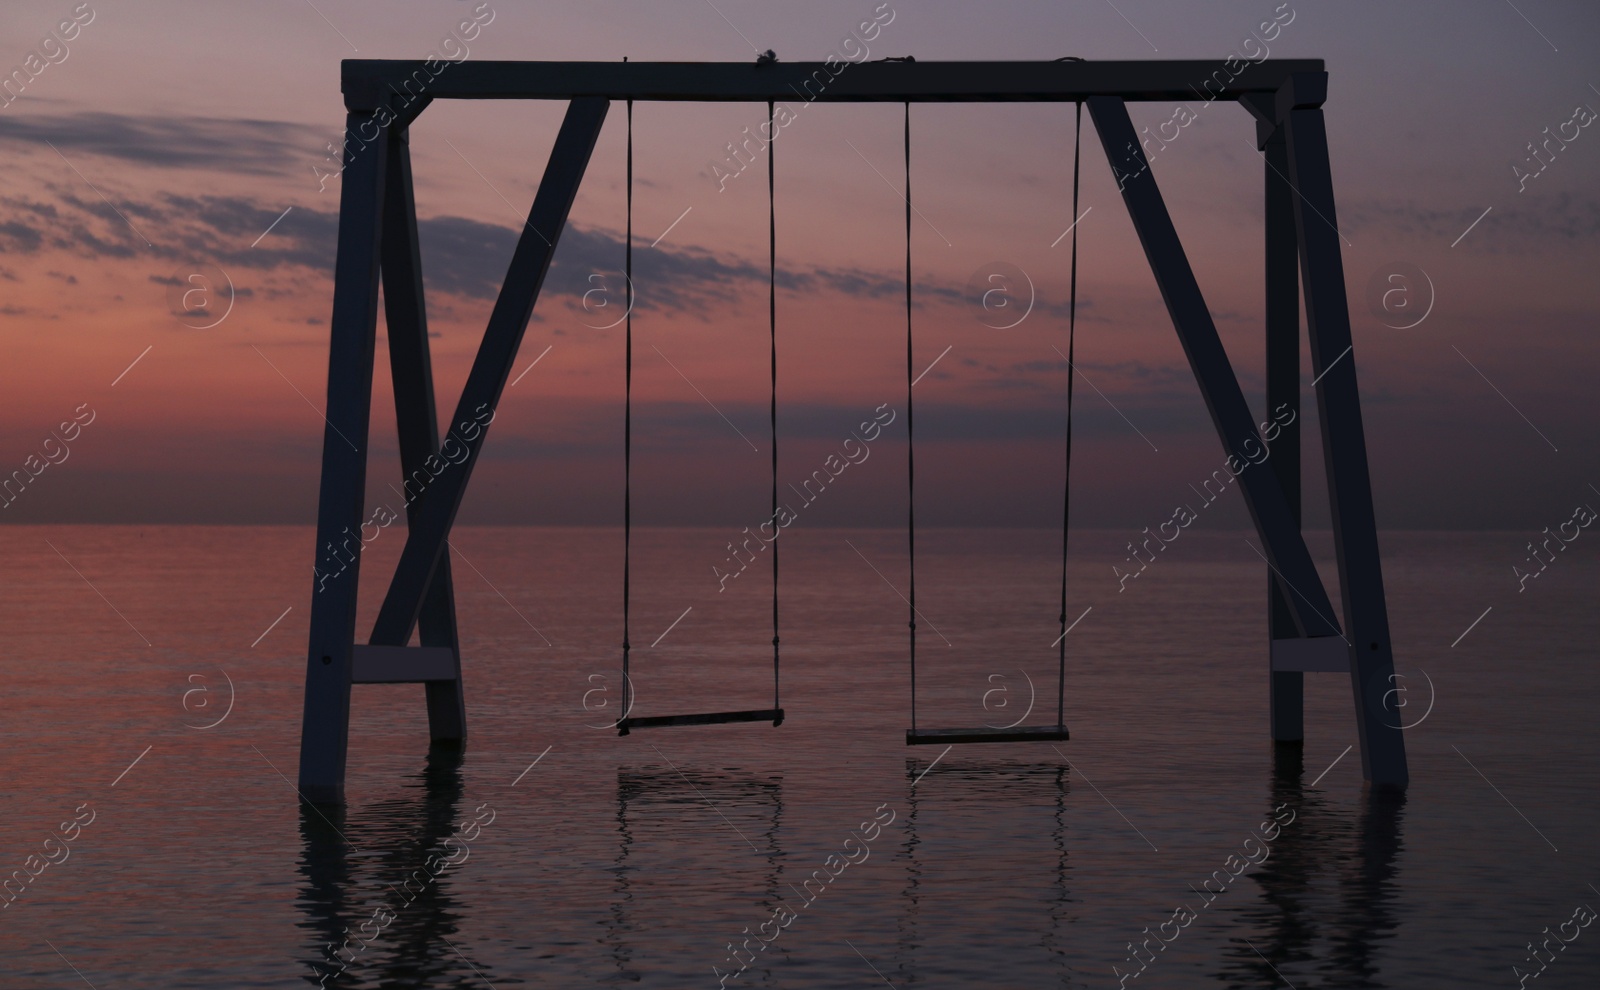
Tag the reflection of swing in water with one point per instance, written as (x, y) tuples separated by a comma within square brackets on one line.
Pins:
[(406, 939), (1355, 854), (658, 809), (979, 788)]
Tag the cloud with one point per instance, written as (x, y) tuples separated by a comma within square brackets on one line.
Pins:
[(20, 237), (252, 147), (1515, 226), (461, 256)]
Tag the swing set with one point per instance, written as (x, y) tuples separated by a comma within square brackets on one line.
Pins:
[(378, 242)]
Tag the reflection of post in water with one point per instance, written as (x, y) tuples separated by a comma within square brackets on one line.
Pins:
[(979, 788), (661, 807), (1367, 889), (1283, 917), (1355, 852), (383, 918), (324, 901)]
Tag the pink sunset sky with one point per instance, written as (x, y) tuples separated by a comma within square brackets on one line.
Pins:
[(166, 136)]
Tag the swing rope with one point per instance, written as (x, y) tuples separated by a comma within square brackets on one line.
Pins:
[(627, 430), (911, 472), (1066, 491), (772, 327)]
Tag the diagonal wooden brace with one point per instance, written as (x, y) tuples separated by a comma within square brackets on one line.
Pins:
[(1269, 507), (438, 496), (417, 422)]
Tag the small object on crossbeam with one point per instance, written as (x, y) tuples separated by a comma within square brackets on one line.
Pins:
[(984, 734), (774, 715)]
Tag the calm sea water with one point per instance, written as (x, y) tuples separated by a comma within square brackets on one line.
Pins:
[(171, 854)]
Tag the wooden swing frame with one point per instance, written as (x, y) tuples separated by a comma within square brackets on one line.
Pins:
[(377, 241)]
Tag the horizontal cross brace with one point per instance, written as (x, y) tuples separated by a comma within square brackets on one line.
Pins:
[(1317, 653), (372, 83), (402, 664)]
